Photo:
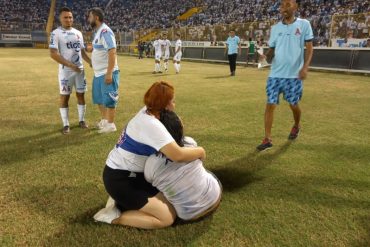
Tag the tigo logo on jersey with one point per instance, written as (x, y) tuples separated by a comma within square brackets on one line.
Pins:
[(76, 45)]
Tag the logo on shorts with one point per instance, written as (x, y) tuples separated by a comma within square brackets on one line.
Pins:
[(65, 86), (64, 82), (114, 96)]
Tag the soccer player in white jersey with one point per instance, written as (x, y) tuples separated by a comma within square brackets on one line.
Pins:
[(166, 44), (106, 71), (158, 54), (67, 48), (192, 190), (177, 54)]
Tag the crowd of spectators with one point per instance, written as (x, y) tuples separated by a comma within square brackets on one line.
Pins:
[(130, 15)]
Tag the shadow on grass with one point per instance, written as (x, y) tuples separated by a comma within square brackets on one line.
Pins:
[(29, 147), (239, 173), (82, 231)]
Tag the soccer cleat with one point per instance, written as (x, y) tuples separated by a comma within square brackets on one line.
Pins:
[(83, 125), (108, 128), (160, 72), (154, 72), (107, 214), (65, 130), (265, 145), (101, 124), (294, 133)]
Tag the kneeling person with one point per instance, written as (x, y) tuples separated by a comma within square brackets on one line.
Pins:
[(189, 187)]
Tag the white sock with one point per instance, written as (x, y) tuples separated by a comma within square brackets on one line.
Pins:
[(158, 67), (175, 65), (155, 67), (64, 116), (179, 66), (166, 65), (81, 112)]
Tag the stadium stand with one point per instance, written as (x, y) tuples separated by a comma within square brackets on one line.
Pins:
[(254, 17)]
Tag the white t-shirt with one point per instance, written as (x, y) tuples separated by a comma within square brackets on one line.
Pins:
[(69, 43), (166, 46), (178, 45), (103, 41), (144, 135), (158, 46), (187, 186)]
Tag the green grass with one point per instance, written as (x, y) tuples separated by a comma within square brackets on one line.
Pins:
[(311, 192)]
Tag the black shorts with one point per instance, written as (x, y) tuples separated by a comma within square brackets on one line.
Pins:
[(130, 190)]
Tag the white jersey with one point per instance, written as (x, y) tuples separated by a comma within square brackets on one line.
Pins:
[(178, 46), (103, 41), (166, 44), (69, 43), (187, 186), (158, 47), (144, 135)]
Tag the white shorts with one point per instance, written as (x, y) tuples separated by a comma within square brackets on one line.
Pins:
[(177, 57), (70, 79), (158, 57), (166, 56)]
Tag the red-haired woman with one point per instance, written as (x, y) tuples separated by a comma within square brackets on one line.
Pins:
[(137, 202)]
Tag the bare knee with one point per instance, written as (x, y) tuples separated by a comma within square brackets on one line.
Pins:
[(270, 108)]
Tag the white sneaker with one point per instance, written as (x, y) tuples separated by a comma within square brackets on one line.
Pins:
[(108, 128), (107, 215), (101, 124)]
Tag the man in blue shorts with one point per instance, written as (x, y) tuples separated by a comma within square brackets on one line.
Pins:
[(104, 63), (289, 67)]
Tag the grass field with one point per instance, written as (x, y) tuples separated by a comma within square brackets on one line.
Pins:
[(311, 192)]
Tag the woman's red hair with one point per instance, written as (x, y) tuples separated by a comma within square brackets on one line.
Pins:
[(158, 96)]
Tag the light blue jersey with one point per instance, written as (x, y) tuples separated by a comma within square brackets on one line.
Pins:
[(103, 41), (289, 43), (233, 44)]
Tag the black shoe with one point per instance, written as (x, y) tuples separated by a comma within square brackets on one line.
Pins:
[(232, 73), (265, 145), (65, 130), (294, 133), (83, 125)]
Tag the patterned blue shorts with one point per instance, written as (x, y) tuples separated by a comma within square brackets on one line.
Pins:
[(292, 90)]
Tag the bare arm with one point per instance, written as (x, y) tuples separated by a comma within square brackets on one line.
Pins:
[(270, 53), (182, 154), (86, 57), (307, 60), (55, 55), (112, 56)]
